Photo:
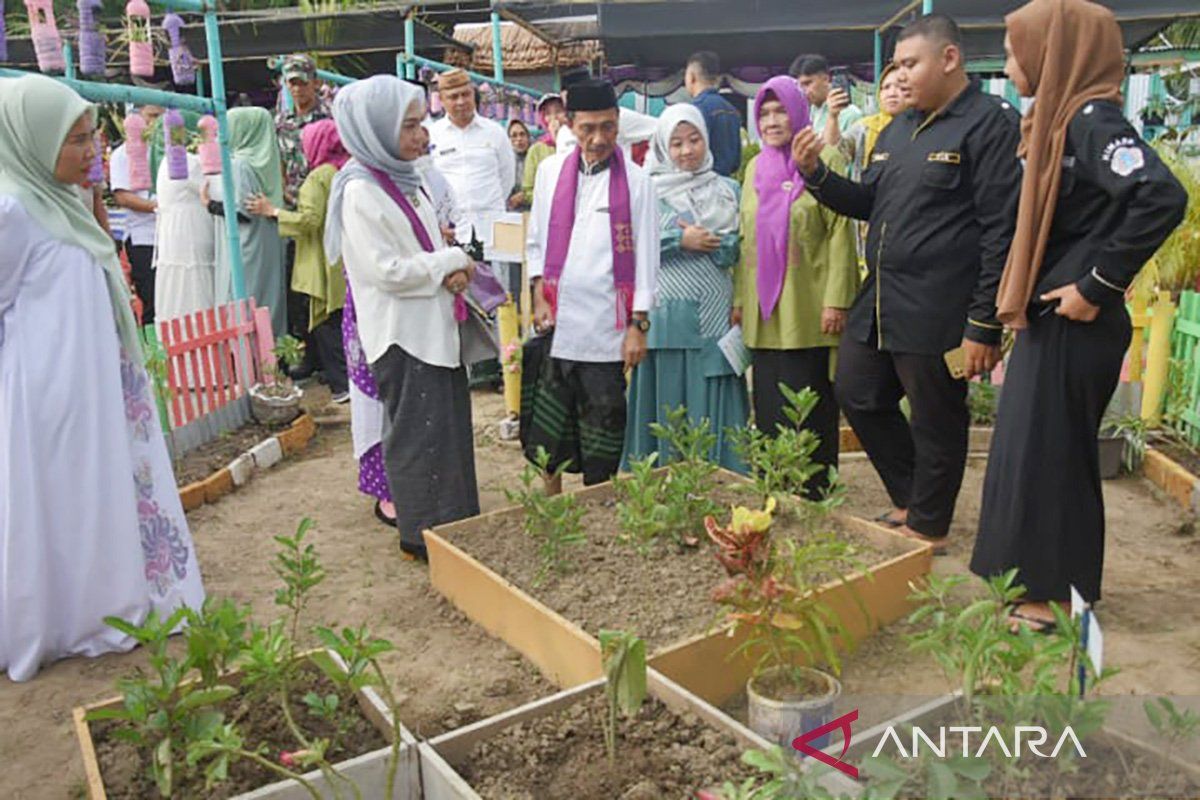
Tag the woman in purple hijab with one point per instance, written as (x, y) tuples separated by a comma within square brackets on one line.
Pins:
[(797, 276)]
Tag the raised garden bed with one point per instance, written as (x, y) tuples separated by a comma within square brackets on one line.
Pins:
[(214, 470), (980, 440), (554, 748), (1173, 469), (116, 770), (485, 566)]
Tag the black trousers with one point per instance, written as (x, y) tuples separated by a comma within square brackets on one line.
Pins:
[(920, 462), (325, 341), (798, 369), (1043, 502), (297, 306), (141, 268)]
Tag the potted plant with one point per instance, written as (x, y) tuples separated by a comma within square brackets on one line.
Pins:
[(141, 48), (210, 148), (183, 65), (276, 401), (1122, 441), (771, 596), (47, 43), (176, 136), (138, 152)]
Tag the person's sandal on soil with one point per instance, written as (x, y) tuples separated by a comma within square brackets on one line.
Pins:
[(891, 520), (1018, 619), (937, 543)]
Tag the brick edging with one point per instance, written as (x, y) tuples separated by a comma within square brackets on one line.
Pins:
[(980, 441), (1173, 478), (240, 471)]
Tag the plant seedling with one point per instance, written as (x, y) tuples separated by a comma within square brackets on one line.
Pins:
[(623, 657), (555, 523), (781, 462)]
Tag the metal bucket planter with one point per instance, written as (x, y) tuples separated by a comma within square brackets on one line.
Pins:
[(275, 409), (781, 721), (1112, 450)]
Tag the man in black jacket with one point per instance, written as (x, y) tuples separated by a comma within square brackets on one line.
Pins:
[(940, 194)]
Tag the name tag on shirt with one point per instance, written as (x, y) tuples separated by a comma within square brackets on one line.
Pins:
[(945, 157), (446, 152), (879, 157)]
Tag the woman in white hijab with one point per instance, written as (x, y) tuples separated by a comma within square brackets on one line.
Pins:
[(90, 519), (698, 216), (404, 278)]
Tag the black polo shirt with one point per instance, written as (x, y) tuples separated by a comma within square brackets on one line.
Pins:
[(940, 194)]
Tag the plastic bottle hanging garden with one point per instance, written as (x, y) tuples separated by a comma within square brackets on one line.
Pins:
[(141, 45), (3, 35), (47, 44), (138, 153), (95, 175), (176, 139), (91, 40), (183, 65), (210, 148)]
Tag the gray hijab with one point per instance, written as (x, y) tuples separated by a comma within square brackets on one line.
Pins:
[(369, 115)]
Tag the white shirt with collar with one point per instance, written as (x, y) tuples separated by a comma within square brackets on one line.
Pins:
[(398, 292), (139, 225), (585, 326), (480, 166), (633, 127)]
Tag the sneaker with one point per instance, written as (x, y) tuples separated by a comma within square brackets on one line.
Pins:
[(342, 397)]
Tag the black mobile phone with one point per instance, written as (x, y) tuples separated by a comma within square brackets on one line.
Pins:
[(842, 81)]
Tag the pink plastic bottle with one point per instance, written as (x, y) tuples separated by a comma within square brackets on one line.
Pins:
[(137, 152), (487, 101), (435, 103), (183, 65), (46, 41), (141, 44), (210, 149), (91, 40), (176, 136)]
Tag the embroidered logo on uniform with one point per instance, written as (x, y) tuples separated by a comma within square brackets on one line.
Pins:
[(786, 186), (1127, 160), (879, 157), (624, 237), (945, 157)]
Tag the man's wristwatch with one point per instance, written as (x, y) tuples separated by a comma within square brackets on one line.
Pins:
[(642, 325)]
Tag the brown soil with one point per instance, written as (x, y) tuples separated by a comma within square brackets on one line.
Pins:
[(608, 583), (787, 687), (206, 459), (261, 722), (1181, 454), (659, 754)]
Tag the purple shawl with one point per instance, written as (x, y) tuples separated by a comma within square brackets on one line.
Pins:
[(778, 183), (562, 222)]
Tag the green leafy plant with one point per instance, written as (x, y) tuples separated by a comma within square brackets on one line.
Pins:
[(1133, 429), (772, 592), (981, 402), (288, 352), (555, 523), (1176, 265), (781, 778), (623, 656), (781, 462), (642, 510)]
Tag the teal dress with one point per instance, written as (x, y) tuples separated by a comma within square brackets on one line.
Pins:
[(263, 253), (684, 365)]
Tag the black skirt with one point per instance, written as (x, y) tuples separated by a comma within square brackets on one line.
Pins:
[(1043, 504)]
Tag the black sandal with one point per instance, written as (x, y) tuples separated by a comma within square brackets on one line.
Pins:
[(1044, 627), (382, 517), (887, 519)]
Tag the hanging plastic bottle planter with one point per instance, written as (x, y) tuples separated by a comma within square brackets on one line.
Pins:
[(175, 135), (141, 44), (47, 43), (487, 105), (91, 40), (210, 148), (3, 35), (435, 103), (183, 65), (137, 153), (95, 175)]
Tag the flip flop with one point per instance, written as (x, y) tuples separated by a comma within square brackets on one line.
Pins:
[(1035, 624), (887, 519)]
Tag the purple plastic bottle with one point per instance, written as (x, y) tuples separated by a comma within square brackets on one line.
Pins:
[(183, 65), (176, 136), (91, 40)]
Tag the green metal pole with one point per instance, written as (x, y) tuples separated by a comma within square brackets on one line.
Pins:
[(410, 47), (118, 93), (497, 48), (878, 58), (199, 83), (69, 59), (926, 7), (217, 75)]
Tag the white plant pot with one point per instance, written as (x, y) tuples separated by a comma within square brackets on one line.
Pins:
[(270, 409), (781, 721)]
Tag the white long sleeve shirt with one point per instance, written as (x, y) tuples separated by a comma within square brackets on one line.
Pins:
[(479, 164), (586, 323), (632, 127), (398, 292)]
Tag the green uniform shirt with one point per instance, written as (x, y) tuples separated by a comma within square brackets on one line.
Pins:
[(312, 274), (538, 152), (822, 271)]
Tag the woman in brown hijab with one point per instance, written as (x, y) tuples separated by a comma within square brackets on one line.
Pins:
[(1095, 204)]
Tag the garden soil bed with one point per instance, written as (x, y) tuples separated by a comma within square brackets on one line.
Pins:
[(208, 458), (1183, 456), (663, 597), (125, 767), (659, 754)]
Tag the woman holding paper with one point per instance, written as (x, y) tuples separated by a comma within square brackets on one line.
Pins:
[(797, 276), (685, 366)]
